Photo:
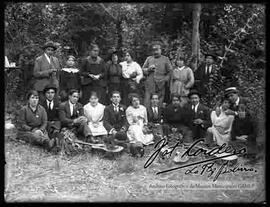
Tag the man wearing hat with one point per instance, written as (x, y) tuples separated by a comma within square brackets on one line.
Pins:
[(157, 69), (204, 72), (198, 115), (51, 105), (243, 123), (46, 68)]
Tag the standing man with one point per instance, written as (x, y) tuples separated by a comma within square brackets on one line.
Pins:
[(46, 69), (92, 76), (157, 69), (204, 72)]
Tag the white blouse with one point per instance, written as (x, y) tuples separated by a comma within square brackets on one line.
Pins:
[(129, 68)]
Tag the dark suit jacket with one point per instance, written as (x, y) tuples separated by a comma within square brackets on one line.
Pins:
[(41, 72), (111, 119), (150, 115), (52, 114), (201, 78), (175, 116), (202, 113), (93, 67), (242, 100), (65, 115)]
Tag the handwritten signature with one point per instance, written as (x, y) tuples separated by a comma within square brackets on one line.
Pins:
[(193, 151)]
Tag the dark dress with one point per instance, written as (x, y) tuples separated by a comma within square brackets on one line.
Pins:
[(29, 120), (113, 76), (177, 117), (95, 67)]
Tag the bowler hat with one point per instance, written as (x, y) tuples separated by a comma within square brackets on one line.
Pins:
[(49, 44), (211, 54), (230, 90), (48, 87), (192, 92)]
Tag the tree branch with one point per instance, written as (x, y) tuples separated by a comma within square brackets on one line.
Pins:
[(108, 12)]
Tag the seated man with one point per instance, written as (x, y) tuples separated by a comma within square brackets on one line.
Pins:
[(72, 117), (51, 106), (114, 119), (243, 123), (175, 117), (198, 116), (155, 115)]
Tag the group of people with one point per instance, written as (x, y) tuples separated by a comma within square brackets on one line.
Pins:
[(86, 112)]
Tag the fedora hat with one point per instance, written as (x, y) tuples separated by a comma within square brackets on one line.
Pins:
[(214, 56), (49, 44), (48, 87), (230, 90), (192, 92)]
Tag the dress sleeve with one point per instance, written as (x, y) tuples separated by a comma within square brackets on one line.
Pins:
[(129, 116), (191, 78), (44, 118), (22, 125), (139, 73)]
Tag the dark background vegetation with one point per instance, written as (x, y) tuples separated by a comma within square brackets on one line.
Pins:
[(73, 26)]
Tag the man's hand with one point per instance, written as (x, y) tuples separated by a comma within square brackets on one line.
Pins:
[(229, 112), (152, 68), (52, 70), (114, 132), (198, 121)]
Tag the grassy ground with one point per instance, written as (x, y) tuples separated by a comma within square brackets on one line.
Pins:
[(32, 174)]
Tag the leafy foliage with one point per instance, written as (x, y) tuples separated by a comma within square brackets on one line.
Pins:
[(135, 26)]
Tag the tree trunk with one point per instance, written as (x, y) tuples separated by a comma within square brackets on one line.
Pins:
[(196, 35), (119, 35)]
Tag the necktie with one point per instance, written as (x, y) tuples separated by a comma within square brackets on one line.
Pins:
[(155, 112), (116, 109), (50, 104), (193, 108)]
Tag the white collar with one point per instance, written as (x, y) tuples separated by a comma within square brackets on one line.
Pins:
[(71, 103), (181, 68), (196, 106), (237, 101), (49, 101), (49, 60), (115, 105)]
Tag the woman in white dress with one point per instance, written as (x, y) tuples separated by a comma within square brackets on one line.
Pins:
[(222, 124), (132, 74), (137, 118), (94, 112)]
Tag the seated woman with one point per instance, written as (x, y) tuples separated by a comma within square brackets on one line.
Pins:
[(222, 124), (132, 74), (137, 119), (94, 112), (32, 122)]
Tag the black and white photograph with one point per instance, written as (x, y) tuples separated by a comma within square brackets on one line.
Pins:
[(134, 102)]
